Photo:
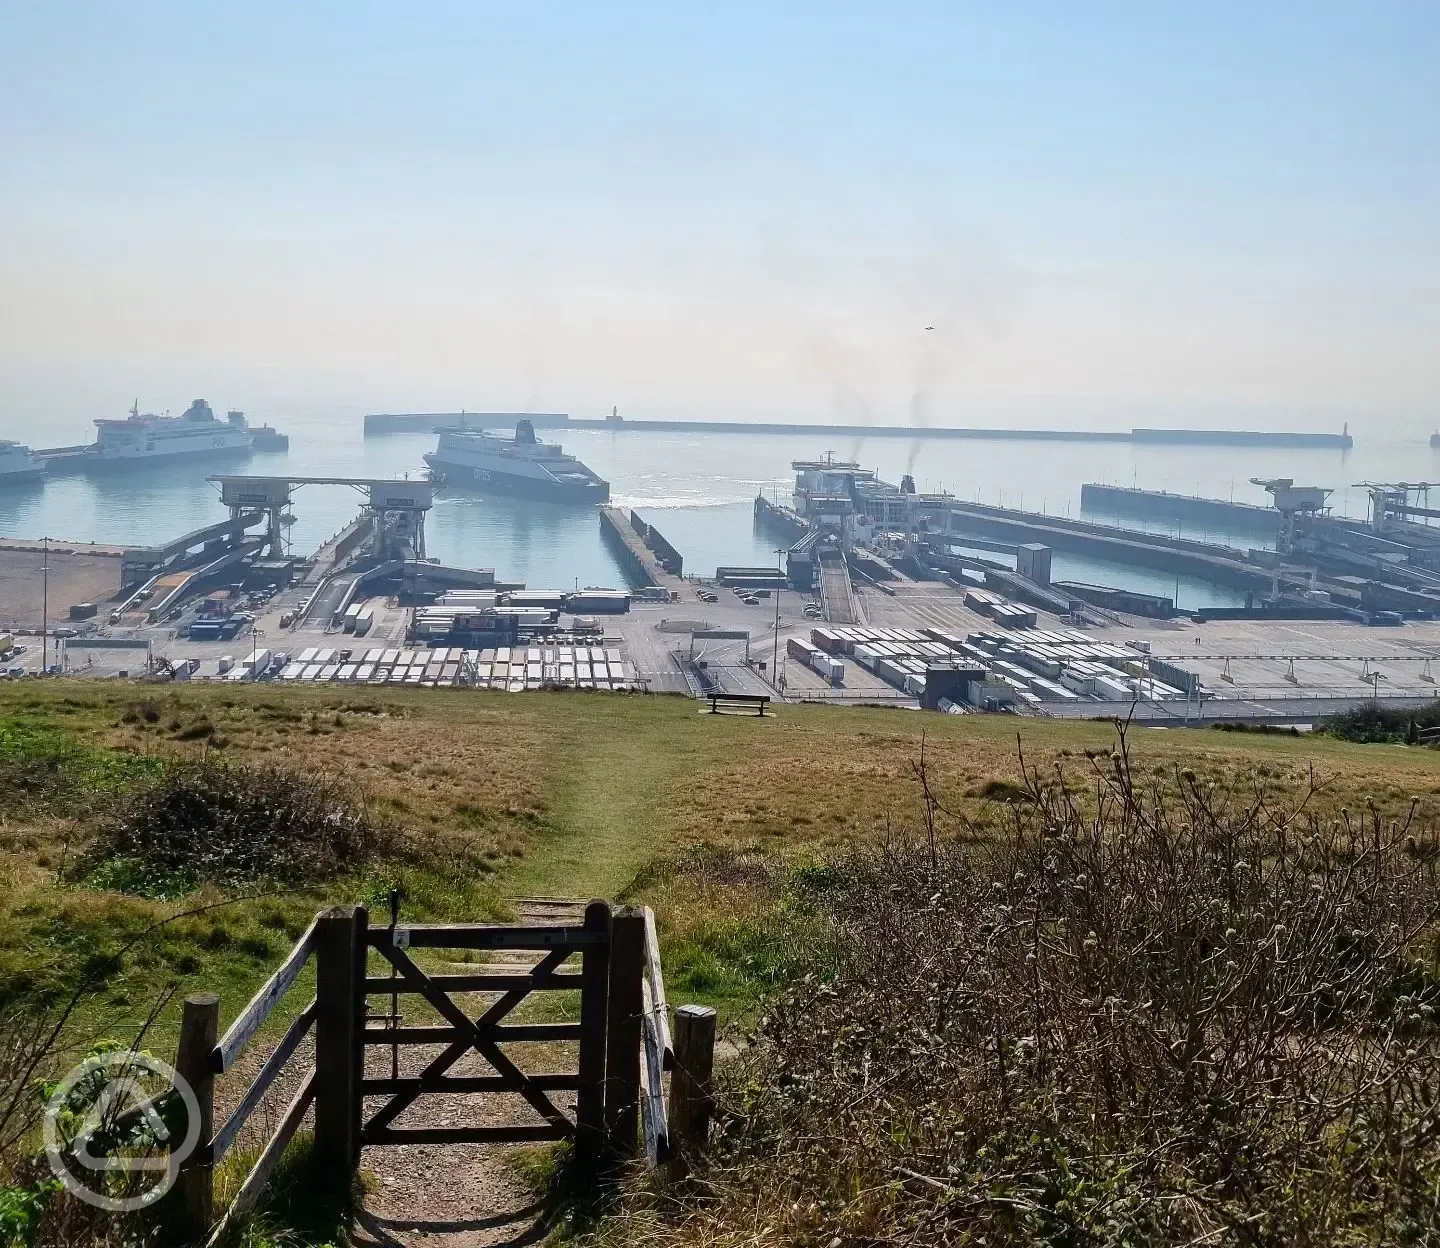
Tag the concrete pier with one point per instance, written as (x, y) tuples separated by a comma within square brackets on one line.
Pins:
[(640, 565)]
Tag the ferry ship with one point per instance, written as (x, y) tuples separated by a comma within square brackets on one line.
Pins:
[(149, 439), (520, 466), (18, 464)]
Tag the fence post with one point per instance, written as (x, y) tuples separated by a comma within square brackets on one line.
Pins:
[(625, 1009), (336, 1084), (594, 985), (357, 1101), (199, 1029), (690, 1096)]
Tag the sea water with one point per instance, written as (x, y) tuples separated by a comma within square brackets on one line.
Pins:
[(698, 490)]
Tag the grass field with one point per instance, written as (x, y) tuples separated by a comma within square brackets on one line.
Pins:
[(564, 794)]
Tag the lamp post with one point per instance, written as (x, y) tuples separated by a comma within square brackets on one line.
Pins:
[(775, 662), (45, 608)]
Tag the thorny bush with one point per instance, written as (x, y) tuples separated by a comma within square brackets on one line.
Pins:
[(218, 821), (1137, 1019)]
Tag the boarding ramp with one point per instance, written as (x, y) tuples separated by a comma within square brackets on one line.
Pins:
[(837, 595), (142, 563)]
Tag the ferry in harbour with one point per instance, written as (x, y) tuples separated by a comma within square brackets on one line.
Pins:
[(146, 438), (18, 464), (521, 466)]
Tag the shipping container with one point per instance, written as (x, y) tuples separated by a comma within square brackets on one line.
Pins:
[(347, 672)]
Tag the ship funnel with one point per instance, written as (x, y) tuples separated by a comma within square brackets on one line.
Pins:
[(199, 410), (236, 417), (524, 433), (907, 484)]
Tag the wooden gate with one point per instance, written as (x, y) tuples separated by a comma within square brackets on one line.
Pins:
[(623, 1040), (462, 1034)]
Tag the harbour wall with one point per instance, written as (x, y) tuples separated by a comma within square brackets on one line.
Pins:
[(665, 554), (1136, 549), (1115, 500), (429, 422), (638, 565)]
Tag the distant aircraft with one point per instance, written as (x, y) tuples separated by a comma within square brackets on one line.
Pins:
[(929, 327)]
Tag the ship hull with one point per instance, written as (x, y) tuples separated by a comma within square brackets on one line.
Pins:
[(88, 461), (482, 481), (27, 476)]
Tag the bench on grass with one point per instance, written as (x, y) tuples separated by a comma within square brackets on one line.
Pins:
[(724, 701)]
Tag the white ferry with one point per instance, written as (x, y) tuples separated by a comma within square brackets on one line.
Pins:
[(18, 464), (148, 439), (519, 466)]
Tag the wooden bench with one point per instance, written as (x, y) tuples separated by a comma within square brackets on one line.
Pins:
[(725, 700)]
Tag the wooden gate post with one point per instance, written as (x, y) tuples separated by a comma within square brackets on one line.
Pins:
[(337, 1082), (357, 1101), (690, 1096), (594, 993), (199, 1027), (625, 1011)]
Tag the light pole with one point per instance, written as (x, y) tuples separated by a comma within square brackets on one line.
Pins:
[(775, 662), (255, 635), (45, 608)]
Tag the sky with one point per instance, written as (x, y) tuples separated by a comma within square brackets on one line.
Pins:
[(1039, 213)]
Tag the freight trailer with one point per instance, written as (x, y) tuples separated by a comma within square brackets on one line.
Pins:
[(832, 669), (799, 648)]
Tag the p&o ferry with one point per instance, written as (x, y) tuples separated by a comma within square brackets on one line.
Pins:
[(149, 439)]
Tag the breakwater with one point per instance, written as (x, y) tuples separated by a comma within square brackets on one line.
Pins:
[(1116, 500), (428, 422), (1142, 550)]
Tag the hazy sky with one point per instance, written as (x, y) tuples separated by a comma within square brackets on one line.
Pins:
[(1107, 211)]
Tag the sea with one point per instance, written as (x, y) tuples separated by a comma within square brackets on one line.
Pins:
[(698, 490)]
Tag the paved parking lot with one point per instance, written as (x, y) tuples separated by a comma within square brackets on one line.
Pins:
[(1275, 668)]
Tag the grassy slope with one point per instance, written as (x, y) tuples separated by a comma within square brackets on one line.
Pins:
[(574, 794)]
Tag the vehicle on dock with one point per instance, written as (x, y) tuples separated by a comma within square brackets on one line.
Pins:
[(520, 466)]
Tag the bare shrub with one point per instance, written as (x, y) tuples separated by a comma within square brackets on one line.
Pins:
[(1132, 1020), (212, 820)]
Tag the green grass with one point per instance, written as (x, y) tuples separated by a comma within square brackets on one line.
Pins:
[(572, 795)]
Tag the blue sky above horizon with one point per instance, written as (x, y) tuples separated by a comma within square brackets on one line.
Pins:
[(1109, 213)]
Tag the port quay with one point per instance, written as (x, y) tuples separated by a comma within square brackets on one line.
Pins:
[(879, 593)]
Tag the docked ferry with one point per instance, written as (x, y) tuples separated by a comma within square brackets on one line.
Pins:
[(149, 439), (520, 466), (18, 464)]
